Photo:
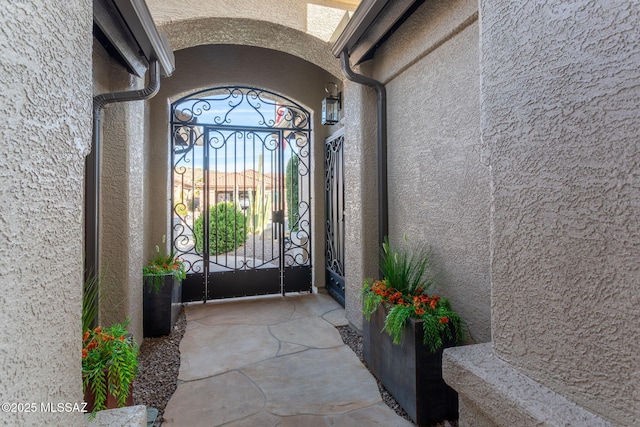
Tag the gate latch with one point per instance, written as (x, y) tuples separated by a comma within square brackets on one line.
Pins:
[(278, 216)]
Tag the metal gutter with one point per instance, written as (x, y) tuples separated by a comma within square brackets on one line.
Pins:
[(111, 31), (154, 46), (361, 20), (381, 91)]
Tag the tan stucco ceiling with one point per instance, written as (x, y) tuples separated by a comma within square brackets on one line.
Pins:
[(318, 18), (346, 4), (301, 28)]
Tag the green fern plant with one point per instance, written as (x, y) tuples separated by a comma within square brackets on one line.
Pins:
[(109, 364), (408, 275)]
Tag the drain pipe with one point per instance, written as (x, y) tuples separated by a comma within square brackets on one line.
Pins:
[(92, 189), (383, 196)]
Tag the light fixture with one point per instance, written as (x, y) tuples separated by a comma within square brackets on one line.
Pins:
[(331, 105)]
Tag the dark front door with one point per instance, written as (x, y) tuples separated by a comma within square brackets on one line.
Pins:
[(241, 191), (334, 225)]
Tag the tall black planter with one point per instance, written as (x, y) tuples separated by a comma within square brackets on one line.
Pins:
[(160, 309), (410, 372)]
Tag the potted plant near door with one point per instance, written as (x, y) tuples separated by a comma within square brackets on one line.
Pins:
[(405, 333), (162, 293)]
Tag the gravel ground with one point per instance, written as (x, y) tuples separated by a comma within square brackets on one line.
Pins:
[(159, 363), (158, 366)]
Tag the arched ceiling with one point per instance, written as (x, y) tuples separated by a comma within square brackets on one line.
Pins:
[(300, 28), (234, 31)]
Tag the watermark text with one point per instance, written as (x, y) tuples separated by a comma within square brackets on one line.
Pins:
[(20, 407)]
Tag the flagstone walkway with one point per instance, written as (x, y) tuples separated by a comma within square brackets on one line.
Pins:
[(273, 362)]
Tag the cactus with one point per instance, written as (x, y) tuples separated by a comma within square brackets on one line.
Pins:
[(292, 178), (259, 211)]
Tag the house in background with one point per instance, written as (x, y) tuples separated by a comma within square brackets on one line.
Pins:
[(512, 149)]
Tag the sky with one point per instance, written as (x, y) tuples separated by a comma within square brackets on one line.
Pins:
[(232, 150)]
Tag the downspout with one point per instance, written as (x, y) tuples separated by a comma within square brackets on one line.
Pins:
[(92, 190), (383, 196)]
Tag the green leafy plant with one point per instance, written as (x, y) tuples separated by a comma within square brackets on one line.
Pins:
[(162, 264), (227, 229), (408, 276), (109, 364)]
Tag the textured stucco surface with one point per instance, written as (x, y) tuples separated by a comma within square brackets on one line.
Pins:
[(45, 93), (202, 67), (241, 31), (560, 89), (319, 20), (130, 416), (361, 195), (493, 393), (121, 196), (439, 191), (290, 26), (428, 28)]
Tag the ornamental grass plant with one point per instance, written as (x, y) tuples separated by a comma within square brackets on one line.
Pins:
[(408, 277)]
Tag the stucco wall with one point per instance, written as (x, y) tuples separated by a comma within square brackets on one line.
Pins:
[(297, 27), (361, 194), (122, 227), (560, 90), (248, 32), (438, 182), (121, 219), (45, 93), (218, 65), (318, 20)]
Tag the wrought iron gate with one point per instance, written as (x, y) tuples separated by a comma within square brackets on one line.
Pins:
[(334, 226), (241, 191)]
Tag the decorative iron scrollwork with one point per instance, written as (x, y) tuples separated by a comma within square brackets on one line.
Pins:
[(231, 144), (334, 190)]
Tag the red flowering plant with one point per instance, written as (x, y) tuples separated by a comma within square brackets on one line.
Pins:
[(162, 264), (408, 276), (109, 363)]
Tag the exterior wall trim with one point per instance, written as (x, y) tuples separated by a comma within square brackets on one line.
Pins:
[(505, 396)]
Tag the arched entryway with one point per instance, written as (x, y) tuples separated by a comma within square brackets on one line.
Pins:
[(241, 162), (203, 67)]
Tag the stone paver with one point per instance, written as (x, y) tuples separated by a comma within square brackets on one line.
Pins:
[(309, 331), (251, 312), (273, 362), (213, 401), (208, 351), (377, 415), (336, 317), (327, 381)]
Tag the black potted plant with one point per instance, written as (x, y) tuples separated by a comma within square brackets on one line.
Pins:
[(162, 293), (406, 330)]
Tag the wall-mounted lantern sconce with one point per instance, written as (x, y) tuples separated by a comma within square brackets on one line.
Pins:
[(331, 105)]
